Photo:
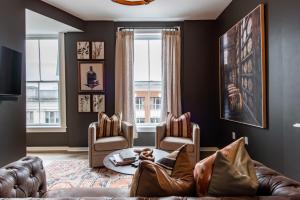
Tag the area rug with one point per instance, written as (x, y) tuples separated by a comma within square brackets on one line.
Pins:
[(63, 174)]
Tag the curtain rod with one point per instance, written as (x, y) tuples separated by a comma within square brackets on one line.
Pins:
[(176, 28)]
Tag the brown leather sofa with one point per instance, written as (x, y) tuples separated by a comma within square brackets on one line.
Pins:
[(26, 178)]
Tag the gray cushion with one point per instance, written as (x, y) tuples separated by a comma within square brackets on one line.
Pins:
[(111, 143)]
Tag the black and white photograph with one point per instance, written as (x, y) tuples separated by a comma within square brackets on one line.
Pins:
[(98, 103), (83, 50), (84, 103), (90, 75), (97, 50)]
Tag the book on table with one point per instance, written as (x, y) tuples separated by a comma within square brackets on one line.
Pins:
[(128, 155), (118, 161)]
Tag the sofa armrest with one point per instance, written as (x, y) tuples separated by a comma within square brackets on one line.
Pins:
[(127, 130), (273, 183), (23, 178), (196, 139), (160, 133)]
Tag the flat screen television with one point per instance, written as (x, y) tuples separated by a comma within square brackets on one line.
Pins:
[(10, 72)]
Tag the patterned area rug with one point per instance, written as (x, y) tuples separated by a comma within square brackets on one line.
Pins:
[(76, 173)]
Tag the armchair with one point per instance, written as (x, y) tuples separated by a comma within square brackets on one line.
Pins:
[(170, 144), (100, 147)]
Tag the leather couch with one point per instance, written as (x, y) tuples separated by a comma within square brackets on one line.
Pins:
[(26, 178)]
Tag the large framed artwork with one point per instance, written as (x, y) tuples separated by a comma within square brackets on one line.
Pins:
[(90, 75), (243, 71)]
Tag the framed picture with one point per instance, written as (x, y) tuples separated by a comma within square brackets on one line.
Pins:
[(98, 103), (91, 76), (97, 50), (84, 103), (243, 71), (83, 50)]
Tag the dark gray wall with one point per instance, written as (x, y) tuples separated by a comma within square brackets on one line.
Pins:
[(276, 146), (200, 78), (12, 110), (78, 123)]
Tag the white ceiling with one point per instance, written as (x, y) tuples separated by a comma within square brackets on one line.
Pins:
[(159, 10), (37, 24)]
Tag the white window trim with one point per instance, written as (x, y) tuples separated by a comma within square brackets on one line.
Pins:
[(146, 128), (62, 90)]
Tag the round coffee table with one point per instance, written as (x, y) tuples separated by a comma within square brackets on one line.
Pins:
[(128, 169)]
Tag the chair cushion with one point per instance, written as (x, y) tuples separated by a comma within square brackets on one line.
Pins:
[(109, 126), (110, 143), (173, 143), (179, 126)]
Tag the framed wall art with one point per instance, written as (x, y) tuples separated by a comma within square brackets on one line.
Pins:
[(98, 103), (83, 50), (243, 71), (91, 76), (84, 103), (97, 50)]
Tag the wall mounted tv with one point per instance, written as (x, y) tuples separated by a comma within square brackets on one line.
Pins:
[(10, 72)]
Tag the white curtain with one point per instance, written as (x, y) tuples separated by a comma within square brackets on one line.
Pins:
[(124, 76), (171, 61), (62, 74)]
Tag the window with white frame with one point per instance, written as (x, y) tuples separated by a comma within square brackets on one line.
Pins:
[(43, 84), (147, 76)]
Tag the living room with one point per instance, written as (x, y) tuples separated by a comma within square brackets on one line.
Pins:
[(201, 26)]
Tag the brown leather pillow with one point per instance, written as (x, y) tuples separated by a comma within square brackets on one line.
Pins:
[(203, 169), (233, 178), (156, 180)]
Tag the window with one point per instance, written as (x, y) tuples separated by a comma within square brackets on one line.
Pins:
[(147, 76), (140, 103), (43, 84), (155, 103), (140, 120)]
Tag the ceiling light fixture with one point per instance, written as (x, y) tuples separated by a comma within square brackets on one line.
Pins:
[(133, 2)]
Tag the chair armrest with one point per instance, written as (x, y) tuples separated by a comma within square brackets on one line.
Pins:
[(127, 130), (160, 133), (196, 139), (92, 133), (23, 178)]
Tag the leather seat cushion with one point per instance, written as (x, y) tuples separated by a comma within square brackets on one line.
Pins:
[(173, 143), (110, 143)]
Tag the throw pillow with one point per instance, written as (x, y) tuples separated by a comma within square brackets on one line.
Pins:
[(170, 176), (109, 126), (233, 178), (203, 169), (179, 126)]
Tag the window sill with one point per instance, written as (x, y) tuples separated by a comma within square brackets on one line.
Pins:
[(55, 129), (149, 128)]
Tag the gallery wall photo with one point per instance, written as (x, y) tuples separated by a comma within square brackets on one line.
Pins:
[(243, 71)]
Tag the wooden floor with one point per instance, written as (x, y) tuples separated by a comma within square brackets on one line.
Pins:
[(49, 157)]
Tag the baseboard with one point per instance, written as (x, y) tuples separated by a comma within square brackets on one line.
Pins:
[(209, 148), (57, 149)]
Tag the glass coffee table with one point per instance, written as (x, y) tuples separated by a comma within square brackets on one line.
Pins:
[(129, 169)]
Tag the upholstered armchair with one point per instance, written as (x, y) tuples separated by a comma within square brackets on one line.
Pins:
[(100, 147), (170, 144)]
